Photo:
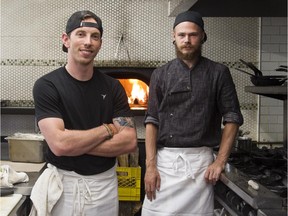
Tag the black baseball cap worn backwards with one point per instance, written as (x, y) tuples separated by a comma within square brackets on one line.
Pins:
[(76, 21), (190, 16)]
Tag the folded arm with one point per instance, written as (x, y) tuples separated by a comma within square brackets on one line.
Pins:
[(63, 142), (124, 141)]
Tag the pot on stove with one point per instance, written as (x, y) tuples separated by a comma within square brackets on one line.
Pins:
[(270, 157), (244, 143), (269, 161)]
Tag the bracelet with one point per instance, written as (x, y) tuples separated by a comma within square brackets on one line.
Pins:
[(109, 130)]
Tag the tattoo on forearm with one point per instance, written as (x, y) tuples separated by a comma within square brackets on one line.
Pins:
[(125, 121)]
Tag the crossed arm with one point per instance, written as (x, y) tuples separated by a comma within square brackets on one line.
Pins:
[(63, 142)]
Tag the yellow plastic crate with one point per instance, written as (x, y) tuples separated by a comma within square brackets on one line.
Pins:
[(129, 183)]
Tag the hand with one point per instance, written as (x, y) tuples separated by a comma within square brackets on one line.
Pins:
[(213, 172), (152, 182)]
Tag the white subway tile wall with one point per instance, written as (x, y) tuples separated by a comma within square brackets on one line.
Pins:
[(273, 54), (31, 45)]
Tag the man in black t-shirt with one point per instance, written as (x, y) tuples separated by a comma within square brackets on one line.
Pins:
[(86, 121)]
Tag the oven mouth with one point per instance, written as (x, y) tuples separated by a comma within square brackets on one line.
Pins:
[(135, 82), (137, 93)]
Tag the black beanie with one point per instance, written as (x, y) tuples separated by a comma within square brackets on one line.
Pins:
[(190, 16)]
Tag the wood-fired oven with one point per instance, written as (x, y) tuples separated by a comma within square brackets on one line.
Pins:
[(135, 81)]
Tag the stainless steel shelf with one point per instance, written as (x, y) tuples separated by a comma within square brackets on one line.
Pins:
[(277, 92)]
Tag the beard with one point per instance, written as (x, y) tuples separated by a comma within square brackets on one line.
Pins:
[(191, 55)]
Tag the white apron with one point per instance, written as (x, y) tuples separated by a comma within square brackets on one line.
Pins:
[(183, 190), (88, 195)]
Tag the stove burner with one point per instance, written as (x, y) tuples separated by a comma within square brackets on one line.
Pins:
[(265, 166)]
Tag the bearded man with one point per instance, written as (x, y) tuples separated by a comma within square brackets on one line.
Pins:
[(190, 98)]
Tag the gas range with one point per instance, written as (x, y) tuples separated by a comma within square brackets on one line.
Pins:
[(267, 196), (239, 198)]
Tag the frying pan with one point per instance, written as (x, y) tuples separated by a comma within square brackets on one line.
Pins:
[(268, 80), (265, 80), (283, 68)]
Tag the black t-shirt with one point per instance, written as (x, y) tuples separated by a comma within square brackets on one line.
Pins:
[(82, 105)]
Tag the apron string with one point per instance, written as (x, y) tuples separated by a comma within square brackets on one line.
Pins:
[(188, 170)]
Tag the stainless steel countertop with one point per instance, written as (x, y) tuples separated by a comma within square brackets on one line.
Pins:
[(26, 188), (33, 170), (263, 199)]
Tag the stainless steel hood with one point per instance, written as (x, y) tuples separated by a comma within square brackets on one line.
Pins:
[(240, 8)]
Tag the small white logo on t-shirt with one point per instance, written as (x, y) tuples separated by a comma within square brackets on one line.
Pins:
[(104, 96)]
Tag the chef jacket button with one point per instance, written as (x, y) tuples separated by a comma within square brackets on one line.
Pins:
[(171, 136), (171, 114)]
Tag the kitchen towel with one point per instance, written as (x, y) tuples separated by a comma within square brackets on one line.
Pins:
[(8, 176), (46, 192)]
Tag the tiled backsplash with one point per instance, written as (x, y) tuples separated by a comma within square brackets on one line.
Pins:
[(31, 45), (273, 54)]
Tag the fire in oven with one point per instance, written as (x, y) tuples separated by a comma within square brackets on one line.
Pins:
[(254, 183), (135, 82)]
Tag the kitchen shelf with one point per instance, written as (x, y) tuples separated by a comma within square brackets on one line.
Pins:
[(18, 110), (276, 92)]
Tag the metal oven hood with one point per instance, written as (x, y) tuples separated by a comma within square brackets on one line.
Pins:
[(236, 8)]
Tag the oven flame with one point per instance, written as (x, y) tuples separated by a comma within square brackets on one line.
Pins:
[(137, 92)]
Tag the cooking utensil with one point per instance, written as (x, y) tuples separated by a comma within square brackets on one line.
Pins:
[(245, 144), (265, 80), (252, 67), (283, 68), (268, 80)]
